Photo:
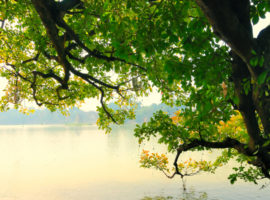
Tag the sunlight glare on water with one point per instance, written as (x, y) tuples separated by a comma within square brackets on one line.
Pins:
[(82, 163)]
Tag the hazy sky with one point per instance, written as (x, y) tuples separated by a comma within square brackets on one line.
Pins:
[(90, 104)]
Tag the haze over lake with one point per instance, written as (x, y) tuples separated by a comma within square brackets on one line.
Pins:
[(60, 162)]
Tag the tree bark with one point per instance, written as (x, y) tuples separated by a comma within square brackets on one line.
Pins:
[(231, 21)]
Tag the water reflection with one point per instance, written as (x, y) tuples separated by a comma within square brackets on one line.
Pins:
[(121, 142), (186, 195), (82, 163), (157, 198)]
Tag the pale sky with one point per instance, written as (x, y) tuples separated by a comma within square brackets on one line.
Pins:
[(154, 97)]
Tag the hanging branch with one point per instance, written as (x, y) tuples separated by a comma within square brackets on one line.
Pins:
[(101, 98), (227, 143), (35, 58), (94, 53), (52, 21), (2, 23)]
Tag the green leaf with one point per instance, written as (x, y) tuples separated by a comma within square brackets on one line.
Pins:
[(266, 143), (255, 19), (236, 100), (254, 61), (261, 10), (233, 178), (261, 61), (262, 77)]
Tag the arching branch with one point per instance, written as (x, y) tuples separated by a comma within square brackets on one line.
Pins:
[(227, 143), (52, 22)]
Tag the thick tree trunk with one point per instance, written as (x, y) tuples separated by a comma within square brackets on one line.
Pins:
[(231, 21), (261, 94), (245, 104)]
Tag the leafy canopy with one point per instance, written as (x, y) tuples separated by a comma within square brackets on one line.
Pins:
[(200, 54)]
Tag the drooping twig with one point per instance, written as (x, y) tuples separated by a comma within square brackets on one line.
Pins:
[(227, 143), (2, 23), (52, 24), (35, 58)]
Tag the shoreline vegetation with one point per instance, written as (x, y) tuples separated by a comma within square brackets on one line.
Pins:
[(76, 116)]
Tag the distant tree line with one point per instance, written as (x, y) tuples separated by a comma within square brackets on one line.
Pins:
[(76, 116)]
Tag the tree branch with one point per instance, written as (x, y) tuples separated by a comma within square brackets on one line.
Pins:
[(264, 34), (227, 143), (230, 19), (101, 98), (31, 59), (50, 57), (246, 105), (48, 75), (2, 23), (93, 53), (87, 76), (52, 21)]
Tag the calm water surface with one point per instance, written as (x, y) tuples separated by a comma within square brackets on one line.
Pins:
[(82, 163)]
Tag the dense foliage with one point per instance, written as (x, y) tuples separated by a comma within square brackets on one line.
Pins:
[(199, 53)]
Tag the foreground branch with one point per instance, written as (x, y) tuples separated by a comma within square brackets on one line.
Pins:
[(227, 143)]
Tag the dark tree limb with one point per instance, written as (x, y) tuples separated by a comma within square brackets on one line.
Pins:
[(15, 72), (262, 101), (50, 57), (103, 105), (48, 75), (58, 89), (101, 98), (94, 53), (242, 148), (52, 21), (227, 143), (87, 76), (246, 105), (264, 34), (35, 58), (232, 22), (2, 23), (82, 61), (48, 20)]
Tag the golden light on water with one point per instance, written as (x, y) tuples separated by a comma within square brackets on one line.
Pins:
[(71, 162)]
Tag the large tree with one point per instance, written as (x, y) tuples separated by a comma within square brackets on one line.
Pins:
[(200, 54)]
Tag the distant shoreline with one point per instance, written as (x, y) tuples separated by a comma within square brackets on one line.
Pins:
[(76, 117)]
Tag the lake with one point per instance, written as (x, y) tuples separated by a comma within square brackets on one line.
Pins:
[(64, 162)]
